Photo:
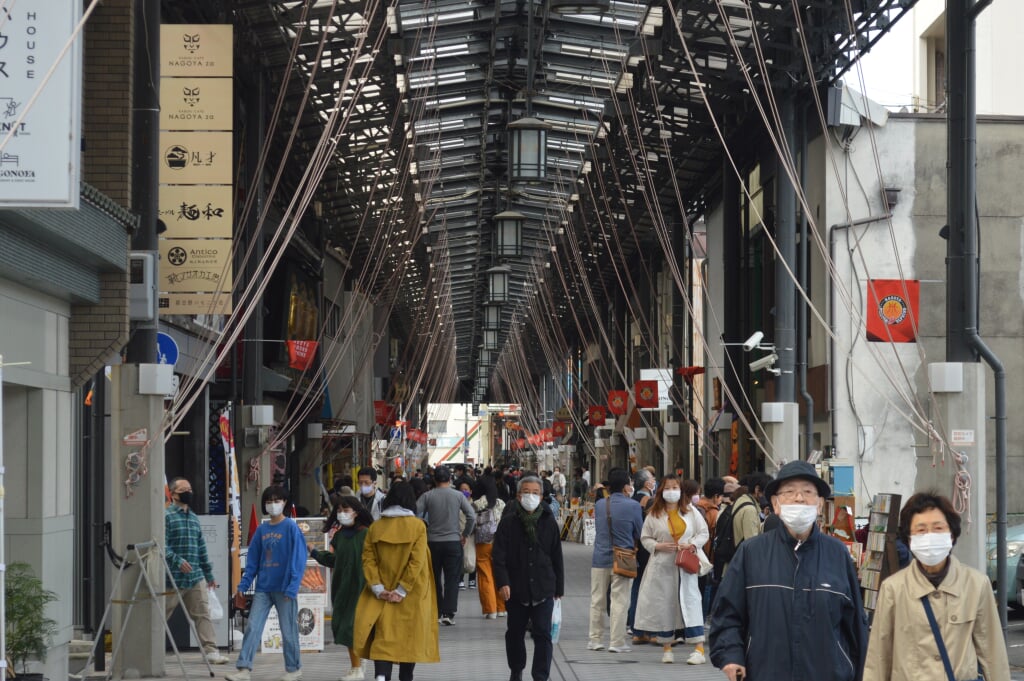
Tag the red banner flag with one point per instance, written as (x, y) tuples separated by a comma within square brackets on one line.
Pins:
[(618, 400), (892, 310), (254, 524), (689, 372), (301, 354), (558, 428), (521, 443), (646, 393), (546, 435), (597, 415), (381, 412)]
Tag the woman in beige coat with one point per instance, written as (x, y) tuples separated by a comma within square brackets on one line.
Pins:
[(396, 616), (960, 599), (669, 597)]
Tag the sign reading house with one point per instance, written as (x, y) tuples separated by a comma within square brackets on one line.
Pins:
[(40, 139)]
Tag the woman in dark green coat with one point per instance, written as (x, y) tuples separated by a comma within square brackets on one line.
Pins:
[(351, 520)]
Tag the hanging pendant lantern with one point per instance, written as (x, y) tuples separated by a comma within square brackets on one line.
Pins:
[(490, 339), (528, 141), (580, 6), (498, 279), (492, 316), (508, 227)]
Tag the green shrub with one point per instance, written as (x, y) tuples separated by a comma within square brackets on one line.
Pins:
[(28, 630)]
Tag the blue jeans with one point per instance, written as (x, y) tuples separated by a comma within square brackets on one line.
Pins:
[(287, 615)]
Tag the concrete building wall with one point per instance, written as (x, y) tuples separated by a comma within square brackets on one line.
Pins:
[(873, 382), (1001, 213), (37, 428)]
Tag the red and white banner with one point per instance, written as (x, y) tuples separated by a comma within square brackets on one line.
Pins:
[(618, 401), (301, 354), (646, 394), (892, 310), (559, 428), (597, 415)]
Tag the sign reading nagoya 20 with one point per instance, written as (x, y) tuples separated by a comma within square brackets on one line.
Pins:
[(40, 138)]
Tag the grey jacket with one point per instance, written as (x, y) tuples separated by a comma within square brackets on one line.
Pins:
[(440, 508)]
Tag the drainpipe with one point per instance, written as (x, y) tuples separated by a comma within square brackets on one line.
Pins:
[(802, 318), (962, 206), (832, 313)]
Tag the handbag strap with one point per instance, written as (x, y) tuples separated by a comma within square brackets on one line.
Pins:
[(608, 508), (938, 638)]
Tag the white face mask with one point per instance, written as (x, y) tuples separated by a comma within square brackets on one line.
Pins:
[(932, 548), (346, 519), (695, 499), (798, 518), (275, 508), (672, 496), (366, 490), (530, 502)]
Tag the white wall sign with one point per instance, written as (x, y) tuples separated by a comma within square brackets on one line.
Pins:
[(40, 146), (961, 437)]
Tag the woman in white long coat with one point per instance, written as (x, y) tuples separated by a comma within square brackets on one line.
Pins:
[(673, 524)]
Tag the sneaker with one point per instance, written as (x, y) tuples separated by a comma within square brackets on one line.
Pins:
[(291, 676), (696, 657), (502, 614), (619, 649), (354, 674), (462, 585), (446, 620), (593, 645), (667, 657), (239, 675), (472, 584), (216, 658), (490, 615)]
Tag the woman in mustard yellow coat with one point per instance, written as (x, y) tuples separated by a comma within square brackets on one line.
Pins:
[(396, 616)]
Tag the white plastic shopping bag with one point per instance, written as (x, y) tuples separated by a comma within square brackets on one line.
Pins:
[(216, 609), (556, 620)]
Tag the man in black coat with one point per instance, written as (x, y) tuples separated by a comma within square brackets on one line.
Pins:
[(530, 577)]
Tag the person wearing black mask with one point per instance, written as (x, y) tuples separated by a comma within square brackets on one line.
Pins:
[(190, 566)]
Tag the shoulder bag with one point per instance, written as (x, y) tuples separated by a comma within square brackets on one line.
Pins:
[(623, 560), (938, 639)]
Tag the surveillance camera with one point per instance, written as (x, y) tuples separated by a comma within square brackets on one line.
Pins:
[(764, 363), (753, 341)]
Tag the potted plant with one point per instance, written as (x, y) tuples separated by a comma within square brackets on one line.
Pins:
[(27, 628)]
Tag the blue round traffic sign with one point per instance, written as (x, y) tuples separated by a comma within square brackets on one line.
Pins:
[(166, 349)]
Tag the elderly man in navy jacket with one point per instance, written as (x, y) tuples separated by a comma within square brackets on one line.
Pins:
[(530, 577), (789, 606)]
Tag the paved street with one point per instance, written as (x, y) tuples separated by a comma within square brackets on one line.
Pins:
[(473, 649)]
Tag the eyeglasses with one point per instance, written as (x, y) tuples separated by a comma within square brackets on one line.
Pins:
[(804, 494)]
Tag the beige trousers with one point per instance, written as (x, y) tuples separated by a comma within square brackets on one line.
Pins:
[(600, 580), (197, 607)]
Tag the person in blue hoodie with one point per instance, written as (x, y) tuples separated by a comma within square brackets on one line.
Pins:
[(276, 562)]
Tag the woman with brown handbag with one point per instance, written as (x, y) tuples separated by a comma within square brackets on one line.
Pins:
[(673, 525)]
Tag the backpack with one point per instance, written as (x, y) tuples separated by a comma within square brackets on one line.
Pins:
[(487, 523), (724, 544)]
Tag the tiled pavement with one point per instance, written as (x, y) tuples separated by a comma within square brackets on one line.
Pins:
[(474, 649)]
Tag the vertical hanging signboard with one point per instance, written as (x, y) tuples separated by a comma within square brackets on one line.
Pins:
[(196, 168), (40, 116)]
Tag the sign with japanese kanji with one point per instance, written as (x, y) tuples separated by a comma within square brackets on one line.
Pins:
[(196, 212), (40, 112), (195, 157), (196, 104), (194, 265)]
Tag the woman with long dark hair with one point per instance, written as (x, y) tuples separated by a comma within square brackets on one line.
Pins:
[(489, 508), (346, 560)]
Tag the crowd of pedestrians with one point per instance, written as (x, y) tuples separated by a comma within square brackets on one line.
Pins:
[(739, 569)]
